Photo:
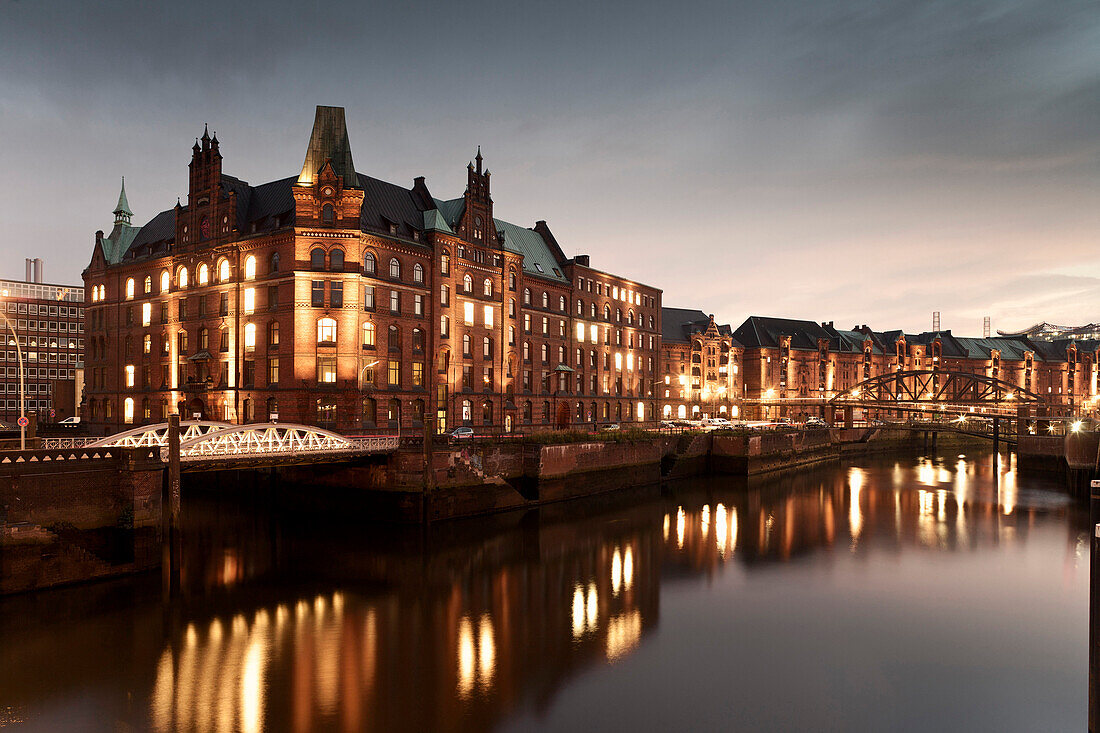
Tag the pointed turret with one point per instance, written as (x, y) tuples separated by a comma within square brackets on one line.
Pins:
[(329, 142), (478, 159), (122, 208)]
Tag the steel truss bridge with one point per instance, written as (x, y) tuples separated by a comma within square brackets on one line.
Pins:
[(943, 391), (206, 443)]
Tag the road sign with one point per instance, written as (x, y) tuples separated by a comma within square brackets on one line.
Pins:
[(23, 422), (53, 413), (1095, 483)]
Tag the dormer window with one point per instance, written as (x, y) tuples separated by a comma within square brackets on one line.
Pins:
[(393, 229), (539, 267)]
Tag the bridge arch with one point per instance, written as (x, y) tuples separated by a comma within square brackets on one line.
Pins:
[(157, 435), (257, 438)]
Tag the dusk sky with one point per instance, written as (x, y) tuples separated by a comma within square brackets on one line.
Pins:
[(863, 162)]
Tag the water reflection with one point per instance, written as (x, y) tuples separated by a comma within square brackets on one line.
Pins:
[(340, 628)]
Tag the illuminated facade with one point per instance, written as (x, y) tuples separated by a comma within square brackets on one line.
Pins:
[(791, 367), (700, 367), (337, 299)]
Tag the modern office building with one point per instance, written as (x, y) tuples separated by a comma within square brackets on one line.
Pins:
[(44, 324)]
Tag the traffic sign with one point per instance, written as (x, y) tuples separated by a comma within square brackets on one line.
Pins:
[(53, 412), (23, 422)]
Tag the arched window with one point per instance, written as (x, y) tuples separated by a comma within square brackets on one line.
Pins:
[(250, 336), (511, 335), (394, 341), (368, 335), (618, 315), (545, 299), (511, 279), (486, 347), (273, 334), (561, 303), (368, 263), (606, 312), (395, 268), (128, 410), (326, 330), (545, 353), (336, 260), (223, 270), (418, 273), (527, 351), (317, 259), (561, 354), (129, 288), (466, 344), (487, 287), (466, 411), (370, 411), (527, 411), (165, 281), (487, 413), (527, 296), (630, 318), (445, 264), (418, 340), (204, 274), (275, 262), (148, 285), (328, 214), (250, 268), (467, 283)]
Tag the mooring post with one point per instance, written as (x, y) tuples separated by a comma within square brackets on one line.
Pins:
[(173, 508), (996, 436)]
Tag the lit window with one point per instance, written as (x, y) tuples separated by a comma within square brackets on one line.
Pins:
[(580, 333), (249, 300), (618, 361), (130, 288), (128, 410), (593, 333), (183, 277), (129, 375), (250, 336), (326, 331), (146, 313), (148, 285), (488, 316), (418, 273), (250, 268), (487, 288), (204, 274), (395, 268), (468, 313), (223, 270), (368, 334), (630, 361)]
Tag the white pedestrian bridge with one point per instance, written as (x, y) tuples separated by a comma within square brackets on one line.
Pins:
[(203, 441)]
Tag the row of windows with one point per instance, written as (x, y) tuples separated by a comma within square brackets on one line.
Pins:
[(33, 309), (615, 292)]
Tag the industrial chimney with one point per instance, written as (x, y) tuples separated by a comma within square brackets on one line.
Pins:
[(39, 270)]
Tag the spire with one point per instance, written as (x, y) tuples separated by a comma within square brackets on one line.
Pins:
[(122, 209), (478, 159), (329, 142), (205, 132)]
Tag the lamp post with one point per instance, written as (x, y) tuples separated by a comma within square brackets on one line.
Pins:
[(22, 387)]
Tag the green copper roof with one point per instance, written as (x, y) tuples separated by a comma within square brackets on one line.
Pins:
[(123, 206), (329, 141), (538, 260), (434, 220)]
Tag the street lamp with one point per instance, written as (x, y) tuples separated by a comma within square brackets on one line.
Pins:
[(22, 388)]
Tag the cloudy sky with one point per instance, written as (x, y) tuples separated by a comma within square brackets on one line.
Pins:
[(864, 161)]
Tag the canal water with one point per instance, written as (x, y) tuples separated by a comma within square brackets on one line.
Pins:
[(945, 594)]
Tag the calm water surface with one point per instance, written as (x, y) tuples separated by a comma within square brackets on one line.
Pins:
[(912, 595)]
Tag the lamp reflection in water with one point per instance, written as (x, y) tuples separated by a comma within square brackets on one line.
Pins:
[(679, 528), (855, 515)]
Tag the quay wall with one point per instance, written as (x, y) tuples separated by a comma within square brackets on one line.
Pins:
[(74, 515)]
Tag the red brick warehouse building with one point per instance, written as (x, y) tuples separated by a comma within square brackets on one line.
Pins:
[(337, 299)]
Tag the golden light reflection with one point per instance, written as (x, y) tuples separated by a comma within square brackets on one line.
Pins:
[(941, 497), (578, 612), (926, 473), (733, 530), (486, 651), (616, 572), (591, 608), (466, 657), (720, 529), (855, 515), (679, 528), (628, 567), (162, 693), (666, 527), (623, 634), (704, 521), (252, 685)]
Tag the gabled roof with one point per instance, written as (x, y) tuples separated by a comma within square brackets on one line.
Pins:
[(761, 331), (679, 324), (538, 257)]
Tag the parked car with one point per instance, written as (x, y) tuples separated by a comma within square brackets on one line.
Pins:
[(461, 434), (611, 428), (815, 422), (70, 421), (666, 424)]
